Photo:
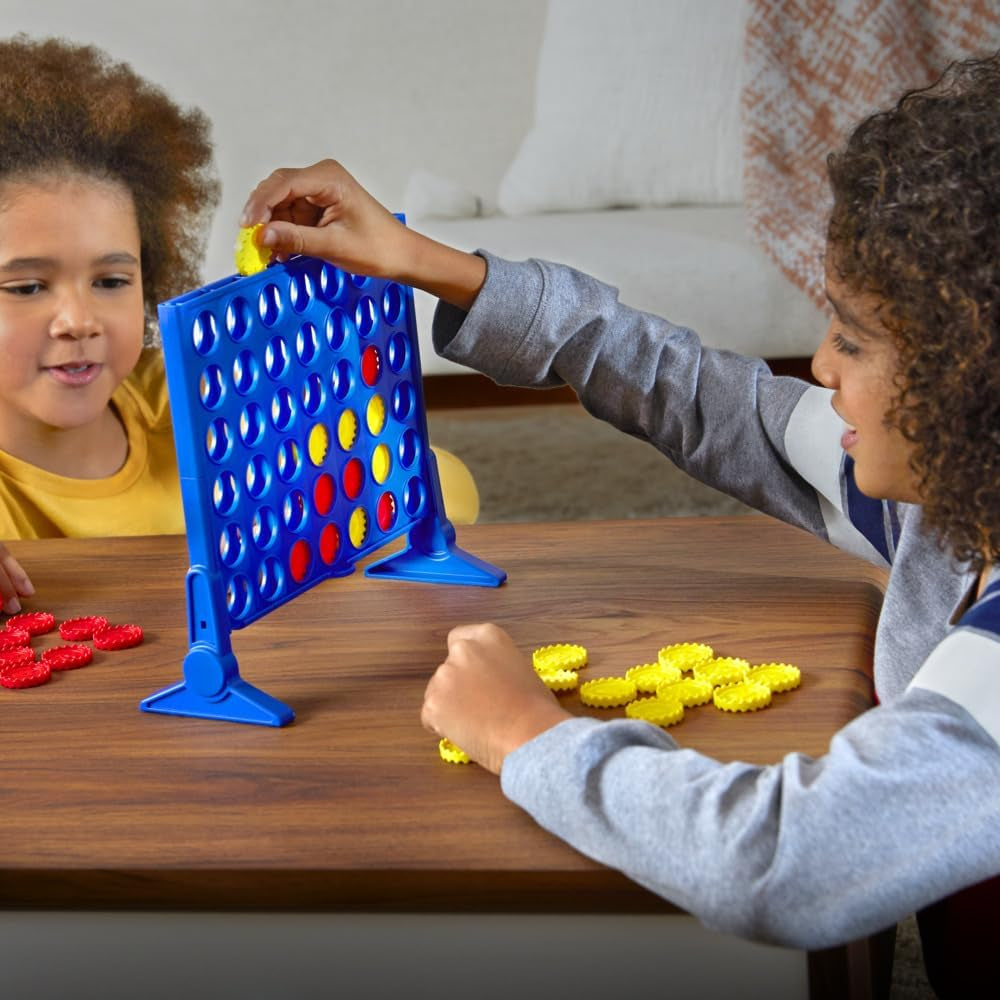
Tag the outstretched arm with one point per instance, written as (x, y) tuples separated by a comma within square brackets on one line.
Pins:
[(322, 211)]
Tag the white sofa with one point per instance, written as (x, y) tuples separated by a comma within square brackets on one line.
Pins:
[(507, 126)]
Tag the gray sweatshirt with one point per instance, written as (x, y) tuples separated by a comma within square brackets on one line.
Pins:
[(904, 808)]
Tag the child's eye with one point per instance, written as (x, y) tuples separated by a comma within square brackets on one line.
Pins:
[(844, 346), (24, 288), (113, 281)]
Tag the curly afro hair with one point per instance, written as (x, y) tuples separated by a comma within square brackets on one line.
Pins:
[(67, 108), (916, 221)]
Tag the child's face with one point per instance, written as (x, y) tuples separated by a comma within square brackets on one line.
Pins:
[(857, 360), (71, 307)]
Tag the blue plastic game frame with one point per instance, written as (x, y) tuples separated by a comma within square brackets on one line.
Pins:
[(302, 447)]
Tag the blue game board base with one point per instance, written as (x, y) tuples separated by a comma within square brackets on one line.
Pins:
[(455, 566), (240, 702)]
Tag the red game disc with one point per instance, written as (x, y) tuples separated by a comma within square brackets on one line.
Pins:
[(25, 675), (33, 622), (117, 637), (11, 638), (15, 657), (76, 629), (67, 657)]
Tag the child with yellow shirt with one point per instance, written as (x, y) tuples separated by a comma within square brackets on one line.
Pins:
[(106, 189)]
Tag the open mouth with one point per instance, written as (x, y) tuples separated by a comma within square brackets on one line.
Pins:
[(76, 374)]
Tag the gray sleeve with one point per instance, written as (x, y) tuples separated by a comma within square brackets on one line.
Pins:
[(807, 853), (719, 416)]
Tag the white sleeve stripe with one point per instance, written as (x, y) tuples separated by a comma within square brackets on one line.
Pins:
[(965, 668), (812, 443)]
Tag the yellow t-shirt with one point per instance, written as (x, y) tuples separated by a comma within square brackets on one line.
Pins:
[(143, 497)]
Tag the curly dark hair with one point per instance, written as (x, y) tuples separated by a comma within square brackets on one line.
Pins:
[(916, 222), (68, 108)]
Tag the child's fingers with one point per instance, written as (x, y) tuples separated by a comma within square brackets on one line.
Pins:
[(14, 583), (320, 185)]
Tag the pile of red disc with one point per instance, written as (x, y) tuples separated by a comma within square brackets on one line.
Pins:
[(20, 669)]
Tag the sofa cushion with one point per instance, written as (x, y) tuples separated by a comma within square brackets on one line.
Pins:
[(695, 265), (637, 104)]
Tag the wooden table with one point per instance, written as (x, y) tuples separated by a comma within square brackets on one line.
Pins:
[(350, 808)]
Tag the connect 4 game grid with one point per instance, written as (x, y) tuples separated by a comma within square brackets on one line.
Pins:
[(302, 446)]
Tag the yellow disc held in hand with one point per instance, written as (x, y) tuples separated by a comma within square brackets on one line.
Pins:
[(250, 258), (451, 753)]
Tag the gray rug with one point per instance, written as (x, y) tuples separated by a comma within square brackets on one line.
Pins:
[(554, 462)]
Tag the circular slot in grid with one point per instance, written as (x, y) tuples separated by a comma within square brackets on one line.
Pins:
[(324, 493), (225, 493), (294, 511), (258, 476), (270, 579), (398, 352), (403, 399), (232, 545), (269, 304), (318, 444), (204, 333), (414, 496), (239, 597), (409, 448), (238, 319), (313, 394), (329, 543), (359, 280), (276, 357), (288, 460), (342, 380), (246, 372), (219, 440), (283, 409), (264, 528), (212, 387), (381, 464), (366, 316), (306, 344), (252, 425), (331, 282), (392, 303), (300, 290), (338, 329)]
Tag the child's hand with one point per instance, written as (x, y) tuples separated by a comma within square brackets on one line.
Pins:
[(14, 582), (486, 697), (322, 211)]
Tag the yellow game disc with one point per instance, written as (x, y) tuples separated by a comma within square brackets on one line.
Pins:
[(745, 696), (689, 691), (722, 670), (648, 676), (560, 656), (659, 711), (607, 692), (684, 655), (777, 676), (452, 753), (559, 680), (249, 257)]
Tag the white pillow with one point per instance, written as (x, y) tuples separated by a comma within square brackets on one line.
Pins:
[(637, 104)]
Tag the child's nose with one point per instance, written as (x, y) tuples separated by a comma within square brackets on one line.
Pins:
[(74, 317), (824, 362)]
